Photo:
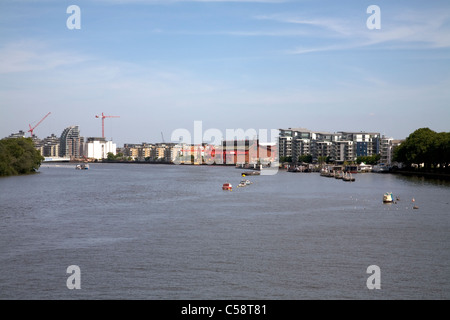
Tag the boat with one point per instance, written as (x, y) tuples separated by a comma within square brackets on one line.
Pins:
[(348, 177), (244, 183), (380, 168), (301, 168), (82, 167), (325, 172), (241, 184), (388, 198), (227, 187), (351, 169), (250, 173), (339, 175)]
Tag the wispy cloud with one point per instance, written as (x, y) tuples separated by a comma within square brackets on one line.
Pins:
[(31, 55), (337, 26), (412, 30), (429, 30), (178, 1), (237, 33)]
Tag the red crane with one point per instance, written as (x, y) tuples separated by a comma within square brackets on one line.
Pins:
[(103, 122), (32, 129)]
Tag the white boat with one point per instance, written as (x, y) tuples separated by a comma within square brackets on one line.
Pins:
[(82, 167), (339, 175), (388, 198), (380, 168), (348, 177)]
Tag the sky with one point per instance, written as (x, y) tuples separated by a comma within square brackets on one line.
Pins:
[(161, 65)]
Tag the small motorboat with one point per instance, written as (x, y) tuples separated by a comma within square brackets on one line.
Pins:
[(244, 183), (250, 173), (388, 198), (339, 175), (227, 187), (348, 177), (82, 167)]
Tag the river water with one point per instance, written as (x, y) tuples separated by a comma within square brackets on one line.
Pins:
[(169, 232)]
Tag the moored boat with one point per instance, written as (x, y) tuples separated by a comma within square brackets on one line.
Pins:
[(348, 177), (380, 168), (339, 175), (251, 173), (244, 183), (227, 187), (388, 198)]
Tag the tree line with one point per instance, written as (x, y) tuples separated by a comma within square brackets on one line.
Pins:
[(18, 156), (425, 147)]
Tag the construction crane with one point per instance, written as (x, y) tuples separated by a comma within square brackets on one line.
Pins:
[(103, 122), (32, 128)]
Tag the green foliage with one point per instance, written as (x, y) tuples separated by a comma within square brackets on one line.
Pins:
[(118, 157), (323, 159), (307, 158), (285, 159), (427, 147), (18, 156), (369, 159)]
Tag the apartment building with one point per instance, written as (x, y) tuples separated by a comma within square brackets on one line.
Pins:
[(71, 143), (340, 147), (51, 146)]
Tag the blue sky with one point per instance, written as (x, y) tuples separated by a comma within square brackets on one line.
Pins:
[(261, 64)]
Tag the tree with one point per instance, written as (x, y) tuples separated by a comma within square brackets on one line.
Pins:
[(111, 156), (441, 150), (324, 159), (18, 156), (427, 147), (373, 159), (285, 159), (307, 158)]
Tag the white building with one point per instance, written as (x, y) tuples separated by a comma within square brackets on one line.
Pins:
[(98, 148)]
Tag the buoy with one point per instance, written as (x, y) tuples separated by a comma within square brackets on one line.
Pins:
[(413, 200)]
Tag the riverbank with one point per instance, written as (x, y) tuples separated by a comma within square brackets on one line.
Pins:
[(153, 162), (428, 175)]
